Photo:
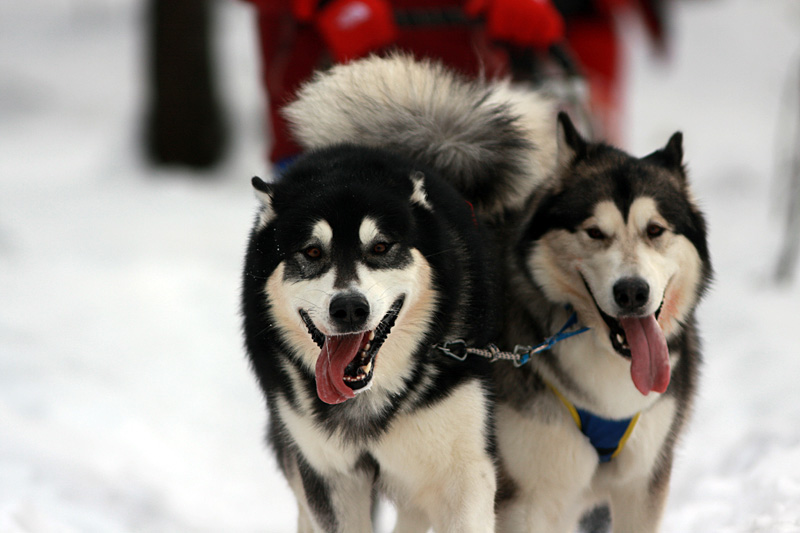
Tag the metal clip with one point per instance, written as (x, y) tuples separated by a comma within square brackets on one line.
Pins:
[(460, 347), (524, 353)]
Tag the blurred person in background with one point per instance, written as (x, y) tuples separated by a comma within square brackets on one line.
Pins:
[(185, 125), (299, 36)]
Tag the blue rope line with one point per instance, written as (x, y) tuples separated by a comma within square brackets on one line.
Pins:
[(525, 352)]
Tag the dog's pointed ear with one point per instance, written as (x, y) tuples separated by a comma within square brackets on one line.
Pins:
[(419, 196), (264, 192), (673, 152), (671, 156), (570, 142)]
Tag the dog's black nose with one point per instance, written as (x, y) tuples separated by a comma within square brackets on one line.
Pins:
[(349, 312), (631, 294)]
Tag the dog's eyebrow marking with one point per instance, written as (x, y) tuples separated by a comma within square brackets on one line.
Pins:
[(608, 217), (322, 232), (419, 196), (368, 231), (644, 210)]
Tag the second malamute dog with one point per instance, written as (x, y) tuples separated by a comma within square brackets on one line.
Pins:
[(617, 242)]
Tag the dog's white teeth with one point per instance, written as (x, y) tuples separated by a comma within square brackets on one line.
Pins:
[(366, 368), (371, 336), (367, 347), (620, 339)]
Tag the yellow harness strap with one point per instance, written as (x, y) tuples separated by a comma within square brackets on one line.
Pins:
[(608, 437)]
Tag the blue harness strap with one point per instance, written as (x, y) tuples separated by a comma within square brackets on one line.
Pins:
[(525, 352), (607, 436)]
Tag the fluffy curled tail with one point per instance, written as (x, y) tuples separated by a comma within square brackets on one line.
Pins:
[(492, 141)]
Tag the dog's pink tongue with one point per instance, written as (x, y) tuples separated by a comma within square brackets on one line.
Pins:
[(336, 354), (649, 354)]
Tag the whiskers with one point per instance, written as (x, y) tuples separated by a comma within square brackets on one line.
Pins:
[(440, 252)]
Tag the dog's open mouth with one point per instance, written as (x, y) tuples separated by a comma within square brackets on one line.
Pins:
[(346, 363), (640, 339), (617, 335)]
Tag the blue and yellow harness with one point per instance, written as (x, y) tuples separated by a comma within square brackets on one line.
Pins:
[(607, 436)]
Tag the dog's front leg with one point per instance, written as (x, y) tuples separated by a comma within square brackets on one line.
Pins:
[(437, 459), (455, 496), (335, 502), (641, 472), (637, 505), (465, 502), (637, 508), (551, 465)]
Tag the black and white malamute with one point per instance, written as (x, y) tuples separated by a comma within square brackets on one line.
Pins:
[(361, 261), (590, 237), (618, 242)]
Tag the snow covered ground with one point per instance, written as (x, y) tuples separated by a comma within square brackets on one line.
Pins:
[(126, 403)]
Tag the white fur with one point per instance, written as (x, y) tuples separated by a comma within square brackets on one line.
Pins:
[(368, 231), (419, 196), (536, 118), (330, 455), (267, 213), (393, 361), (285, 315), (322, 234)]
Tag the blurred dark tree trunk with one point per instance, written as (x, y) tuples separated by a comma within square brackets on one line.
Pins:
[(184, 116)]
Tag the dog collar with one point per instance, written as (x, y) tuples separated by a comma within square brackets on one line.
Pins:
[(607, 436)]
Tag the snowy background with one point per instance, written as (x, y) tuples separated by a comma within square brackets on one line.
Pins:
[(126, 403)]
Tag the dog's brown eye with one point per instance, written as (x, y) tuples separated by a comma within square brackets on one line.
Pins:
[(654, 230), (595, 233), (313, 252), (380, 248)]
